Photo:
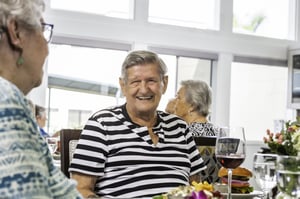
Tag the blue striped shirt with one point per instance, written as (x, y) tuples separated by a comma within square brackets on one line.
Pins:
[(26, 167)]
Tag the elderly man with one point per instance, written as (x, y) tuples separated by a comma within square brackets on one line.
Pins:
[(133, 150)]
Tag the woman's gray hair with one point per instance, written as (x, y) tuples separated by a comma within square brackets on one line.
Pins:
[(28, 12), (142, 57), (199, 95)]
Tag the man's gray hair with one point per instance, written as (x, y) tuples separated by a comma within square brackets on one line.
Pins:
[(142, 57)]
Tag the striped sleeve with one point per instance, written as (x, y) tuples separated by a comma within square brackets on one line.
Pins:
[(91, 151), (197, 163)]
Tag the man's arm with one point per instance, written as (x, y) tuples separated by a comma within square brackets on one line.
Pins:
[(85, 184)]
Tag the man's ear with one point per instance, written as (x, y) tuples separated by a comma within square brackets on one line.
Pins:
[(165, 83), (122, 85)]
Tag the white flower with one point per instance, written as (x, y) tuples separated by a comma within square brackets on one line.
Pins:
[(296, 140)]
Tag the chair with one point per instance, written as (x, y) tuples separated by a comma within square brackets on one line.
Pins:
[(206, 146), (68, 142), (205, 140)]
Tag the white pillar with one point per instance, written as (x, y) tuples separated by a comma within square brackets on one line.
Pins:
[(222, 89)]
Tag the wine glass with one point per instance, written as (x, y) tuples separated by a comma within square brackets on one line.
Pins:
[(265, 172), (230, 150), (52, 144)]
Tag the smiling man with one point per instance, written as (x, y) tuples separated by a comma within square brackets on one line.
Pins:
[(133, 150)]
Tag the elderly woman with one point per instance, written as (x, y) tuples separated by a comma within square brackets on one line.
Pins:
[(26, 166), (193, 103), (133, 150)]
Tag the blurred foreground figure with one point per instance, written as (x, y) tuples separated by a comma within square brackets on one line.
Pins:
[(26, 167), (41, 118)]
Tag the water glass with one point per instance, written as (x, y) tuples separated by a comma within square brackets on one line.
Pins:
[(52, 144), (264, 171)]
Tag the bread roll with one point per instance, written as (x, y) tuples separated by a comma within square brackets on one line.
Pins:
[(239, 171)]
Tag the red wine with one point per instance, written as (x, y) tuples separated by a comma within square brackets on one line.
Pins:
[(230, 162)]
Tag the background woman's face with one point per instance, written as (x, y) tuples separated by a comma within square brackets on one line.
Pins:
[(181, 106)]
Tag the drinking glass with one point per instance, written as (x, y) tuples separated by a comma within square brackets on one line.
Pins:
[(230, 150), (52, 144), (264, 170)]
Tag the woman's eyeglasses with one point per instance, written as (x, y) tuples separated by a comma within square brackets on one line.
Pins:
[(47, 31)]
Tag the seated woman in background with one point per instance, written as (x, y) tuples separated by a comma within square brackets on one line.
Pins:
[(193, 103), (40, 115)]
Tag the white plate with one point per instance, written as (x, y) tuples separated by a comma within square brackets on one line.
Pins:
[(253, 194)]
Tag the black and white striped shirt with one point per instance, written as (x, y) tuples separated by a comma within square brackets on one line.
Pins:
[(125, 160)]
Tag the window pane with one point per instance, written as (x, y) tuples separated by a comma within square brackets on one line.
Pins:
[(110, 8), (194, 68), (78, 118), (97, 65), (258, 98), (267, 18), (170, 61), (65, 103), (196, 13)]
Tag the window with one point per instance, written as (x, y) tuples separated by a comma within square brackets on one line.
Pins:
[(183, 68), (194, 68), (80, 85), (201, 14), (258, 98), (110, 8), (78, 117), (97, 65), (275, 19)]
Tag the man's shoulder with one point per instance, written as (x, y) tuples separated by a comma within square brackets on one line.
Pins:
[(168, 118), (113, 111)]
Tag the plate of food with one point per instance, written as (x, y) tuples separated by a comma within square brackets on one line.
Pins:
[(240, 186), (253, 194)]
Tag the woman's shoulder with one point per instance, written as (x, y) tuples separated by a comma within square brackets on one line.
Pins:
[(203, 129)]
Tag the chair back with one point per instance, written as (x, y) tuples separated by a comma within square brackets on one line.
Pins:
[(205, 140), (206, 146), (68, 142)]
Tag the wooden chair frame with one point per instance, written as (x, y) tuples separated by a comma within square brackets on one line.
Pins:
[(67, 135)]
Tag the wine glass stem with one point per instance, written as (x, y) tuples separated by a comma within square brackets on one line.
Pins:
[(229, 183), (267, 194)]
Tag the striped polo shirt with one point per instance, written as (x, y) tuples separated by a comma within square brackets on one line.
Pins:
[(125, 160)]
